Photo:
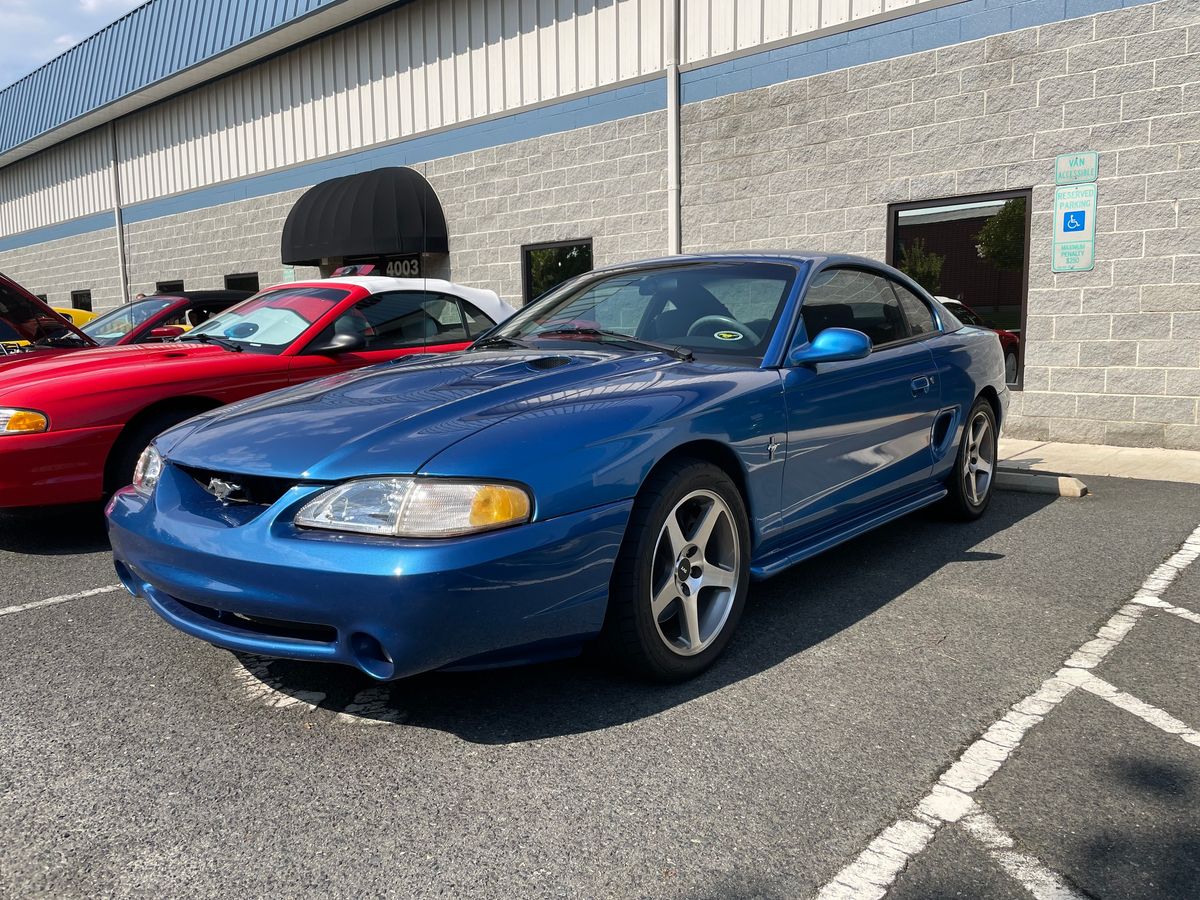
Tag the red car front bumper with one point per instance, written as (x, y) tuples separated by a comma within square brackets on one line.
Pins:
[(55, 467)]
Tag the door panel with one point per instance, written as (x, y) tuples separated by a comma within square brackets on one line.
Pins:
[(859, 433)]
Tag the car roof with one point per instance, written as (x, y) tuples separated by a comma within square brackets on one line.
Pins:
[(487, 301), (791, 257)]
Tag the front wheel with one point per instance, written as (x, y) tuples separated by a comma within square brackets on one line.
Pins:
[(682, 575), (1010, 367), (973, 479)]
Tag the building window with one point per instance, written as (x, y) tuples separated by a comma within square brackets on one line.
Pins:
[(546, 266), (168, 287), (42, 297), (973, 253), (81, 300), (247, 281)]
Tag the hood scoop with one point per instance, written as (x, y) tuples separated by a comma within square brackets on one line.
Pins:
[(546, 363)]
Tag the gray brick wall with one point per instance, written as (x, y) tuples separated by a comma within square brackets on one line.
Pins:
[(607, 182), (1112, 355), (87, 262)]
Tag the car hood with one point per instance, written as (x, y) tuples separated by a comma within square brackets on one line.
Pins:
[(28, 371), (390, 419)]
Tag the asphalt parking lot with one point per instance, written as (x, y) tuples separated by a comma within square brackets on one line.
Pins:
[(135, 760)]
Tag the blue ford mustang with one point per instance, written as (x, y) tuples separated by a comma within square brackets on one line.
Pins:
[(615, 464)]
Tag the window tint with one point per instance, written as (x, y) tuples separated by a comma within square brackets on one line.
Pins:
[(477, 322), (546, 266), (848, 298), (919, 316), (403, 319)]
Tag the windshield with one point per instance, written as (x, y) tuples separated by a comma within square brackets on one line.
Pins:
[(728, 310), (109, 328), (270, 321), (24, 320)]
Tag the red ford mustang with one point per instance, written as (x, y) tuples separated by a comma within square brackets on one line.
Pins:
[(73, 425)]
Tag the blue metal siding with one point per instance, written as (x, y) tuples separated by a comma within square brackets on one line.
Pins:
[(158, 39)]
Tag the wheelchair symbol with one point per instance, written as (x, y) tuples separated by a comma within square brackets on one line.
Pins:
[(1074, 220)]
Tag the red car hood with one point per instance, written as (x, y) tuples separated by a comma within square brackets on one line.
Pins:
[(26, 373)]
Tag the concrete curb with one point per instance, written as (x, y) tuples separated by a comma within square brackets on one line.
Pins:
[(1039, 483)]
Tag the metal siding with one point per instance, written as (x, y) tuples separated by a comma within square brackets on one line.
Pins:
[(419, 66), (716, 27), (65, 182)]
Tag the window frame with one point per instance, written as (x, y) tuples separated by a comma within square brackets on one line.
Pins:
[(86, 296), (247, 275), (527, 274), (427, 296), (894, 209), (891, 282)]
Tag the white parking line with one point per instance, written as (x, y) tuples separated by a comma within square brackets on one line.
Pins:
[(1167, 607), (1159, 718), (874, 870), (65, 598), (1041, 882)]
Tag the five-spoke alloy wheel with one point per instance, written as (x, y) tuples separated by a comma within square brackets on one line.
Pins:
[(681, 577), (970, 484)]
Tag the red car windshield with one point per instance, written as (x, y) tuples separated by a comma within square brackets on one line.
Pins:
[(272, 320), (24, 320), (109, 328)]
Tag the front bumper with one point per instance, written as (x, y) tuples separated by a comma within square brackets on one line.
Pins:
[(54, 467), (390, 608)]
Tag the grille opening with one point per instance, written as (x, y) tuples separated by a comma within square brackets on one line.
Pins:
[(298, 631), (252, 490)]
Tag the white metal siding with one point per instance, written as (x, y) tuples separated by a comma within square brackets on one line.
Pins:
[(716, 27), (420, 67), (64, 182)]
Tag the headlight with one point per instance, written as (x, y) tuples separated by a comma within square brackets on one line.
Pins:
[(147, 471), (416, 507), (22, 421)]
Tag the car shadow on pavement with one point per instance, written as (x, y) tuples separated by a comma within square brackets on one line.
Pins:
[(54, 530), (784, 616)]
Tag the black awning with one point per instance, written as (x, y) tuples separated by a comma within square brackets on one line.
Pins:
[(384, 212)]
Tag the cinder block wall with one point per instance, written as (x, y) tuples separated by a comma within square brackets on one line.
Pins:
[(1112, 355), (86, 262)]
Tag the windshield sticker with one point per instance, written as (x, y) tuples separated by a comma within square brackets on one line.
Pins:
[(729, 335)]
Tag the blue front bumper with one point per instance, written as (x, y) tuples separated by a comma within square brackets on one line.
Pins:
[(391, 608)]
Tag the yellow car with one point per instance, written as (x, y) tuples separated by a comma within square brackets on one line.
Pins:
[(76, 317)]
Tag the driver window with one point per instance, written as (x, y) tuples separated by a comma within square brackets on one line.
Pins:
[(400, 320), (849, 298)]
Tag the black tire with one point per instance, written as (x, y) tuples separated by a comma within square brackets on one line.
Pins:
[(633, 636), (1010, 367), (118, 472), (963, 502)]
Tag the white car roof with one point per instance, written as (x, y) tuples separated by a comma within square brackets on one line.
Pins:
[(488, 302)]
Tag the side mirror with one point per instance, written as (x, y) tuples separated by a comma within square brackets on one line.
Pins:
[(164, 333), (832, 345), (339, 343)]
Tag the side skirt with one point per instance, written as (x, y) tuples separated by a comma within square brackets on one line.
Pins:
[(821, 541)]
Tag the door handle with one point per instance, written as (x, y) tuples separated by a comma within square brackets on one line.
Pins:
[(921, 385)]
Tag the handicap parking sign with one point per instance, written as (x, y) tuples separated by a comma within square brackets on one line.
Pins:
[(1075, 220)]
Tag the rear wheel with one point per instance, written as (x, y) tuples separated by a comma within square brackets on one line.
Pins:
[(682, 575), (135, 439), (974, 474), (1010, 367)]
